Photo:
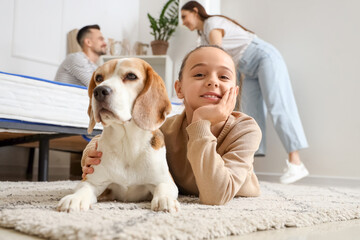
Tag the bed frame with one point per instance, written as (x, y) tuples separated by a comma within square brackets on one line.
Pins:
[(40, 135)]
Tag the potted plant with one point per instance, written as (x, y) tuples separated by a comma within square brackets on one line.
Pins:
[(164, 27)]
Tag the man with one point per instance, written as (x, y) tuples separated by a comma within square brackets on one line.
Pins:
[(78, 67)]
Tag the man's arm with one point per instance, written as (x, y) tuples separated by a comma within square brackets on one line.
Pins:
[(81, 72)]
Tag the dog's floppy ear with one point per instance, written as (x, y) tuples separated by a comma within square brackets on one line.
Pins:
[(91, 87), (153, 104)]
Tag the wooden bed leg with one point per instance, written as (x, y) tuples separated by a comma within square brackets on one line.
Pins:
[(30, 165), (43, 159)]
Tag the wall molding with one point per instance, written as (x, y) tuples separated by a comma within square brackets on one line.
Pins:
[(34, 59)]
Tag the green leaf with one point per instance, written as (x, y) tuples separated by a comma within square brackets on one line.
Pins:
[(164, 27)]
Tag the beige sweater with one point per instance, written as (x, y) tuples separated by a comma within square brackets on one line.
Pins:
[(215, 169)]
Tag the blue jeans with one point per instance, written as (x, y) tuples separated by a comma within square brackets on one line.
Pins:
[(267, 89)]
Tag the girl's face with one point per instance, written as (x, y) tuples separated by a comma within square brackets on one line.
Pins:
[(190, 19), (208, 73)]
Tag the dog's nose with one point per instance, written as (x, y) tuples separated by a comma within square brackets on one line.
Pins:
[(101, 92)]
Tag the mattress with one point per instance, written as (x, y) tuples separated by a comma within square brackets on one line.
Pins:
[(37, 100)]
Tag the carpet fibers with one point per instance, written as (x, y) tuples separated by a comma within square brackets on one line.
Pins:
[(29, 207)]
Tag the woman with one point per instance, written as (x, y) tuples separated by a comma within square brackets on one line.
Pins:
[(266, 86)]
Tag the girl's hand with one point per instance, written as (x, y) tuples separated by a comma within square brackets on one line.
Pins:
[(218, 112), (93, 158)]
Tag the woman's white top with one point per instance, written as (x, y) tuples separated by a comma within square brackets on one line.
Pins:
[(235, 39)]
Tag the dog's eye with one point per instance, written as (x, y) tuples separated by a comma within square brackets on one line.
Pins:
[(99, 78), (131, 76)]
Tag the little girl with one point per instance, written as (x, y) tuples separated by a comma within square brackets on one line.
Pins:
[(210, 149)]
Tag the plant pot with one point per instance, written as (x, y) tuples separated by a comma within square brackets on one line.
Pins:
[(159, 47)]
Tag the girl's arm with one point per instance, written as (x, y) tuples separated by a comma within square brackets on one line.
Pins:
[(220, 177), (90, 156)]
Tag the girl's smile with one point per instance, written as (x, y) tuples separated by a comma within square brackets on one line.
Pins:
[(211, 95)]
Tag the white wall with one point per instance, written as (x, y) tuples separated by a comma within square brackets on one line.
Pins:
[(34, 32), (319, 40)]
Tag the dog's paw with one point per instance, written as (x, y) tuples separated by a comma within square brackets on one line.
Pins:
[(166, 204), (73, 203)]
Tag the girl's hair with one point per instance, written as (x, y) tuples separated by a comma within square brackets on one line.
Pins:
[(238, 79), (189, 6)]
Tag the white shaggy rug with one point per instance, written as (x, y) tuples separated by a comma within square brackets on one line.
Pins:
[(29, 207)]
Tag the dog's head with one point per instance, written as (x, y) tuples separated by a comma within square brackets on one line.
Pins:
[(125, 89)]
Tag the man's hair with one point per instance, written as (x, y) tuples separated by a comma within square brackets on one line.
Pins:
[(85, 31)]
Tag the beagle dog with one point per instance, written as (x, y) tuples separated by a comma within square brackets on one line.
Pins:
[(129, 98)]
